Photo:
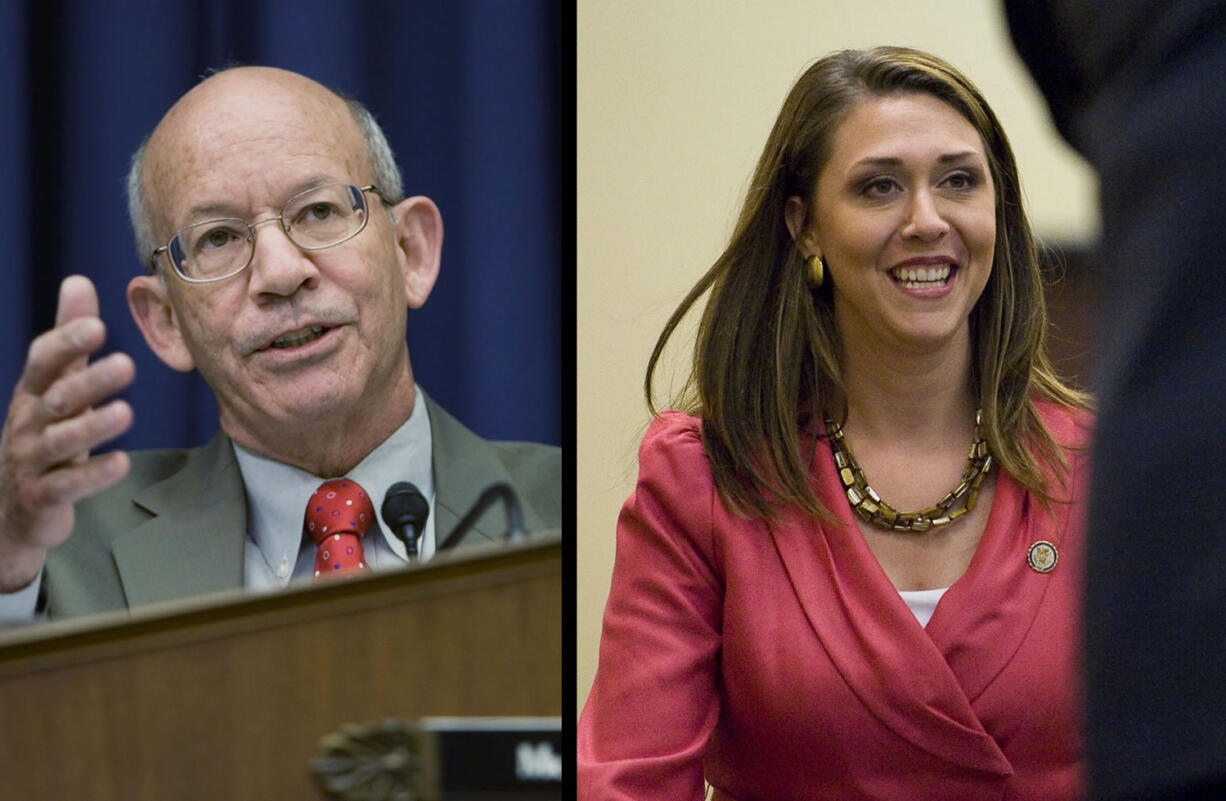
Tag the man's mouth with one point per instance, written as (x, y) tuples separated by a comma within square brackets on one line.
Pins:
[(921, 277), (294, 339)]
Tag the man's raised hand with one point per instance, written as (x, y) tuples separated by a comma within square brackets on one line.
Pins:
[(57, 415)]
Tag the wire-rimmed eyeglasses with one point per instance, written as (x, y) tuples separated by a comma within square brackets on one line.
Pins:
[(319, 218)]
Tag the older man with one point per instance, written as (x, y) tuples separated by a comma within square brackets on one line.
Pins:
[(269, 210)]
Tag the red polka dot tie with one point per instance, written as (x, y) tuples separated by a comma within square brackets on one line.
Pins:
[(337, 516)]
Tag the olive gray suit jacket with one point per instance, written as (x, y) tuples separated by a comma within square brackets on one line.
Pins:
[(176, 526)]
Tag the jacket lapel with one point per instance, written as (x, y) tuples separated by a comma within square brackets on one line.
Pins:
[(873, 639), (464, 466), (984, 618), (194, 543)]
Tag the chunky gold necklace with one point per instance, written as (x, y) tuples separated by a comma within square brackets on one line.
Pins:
[(870, 508)]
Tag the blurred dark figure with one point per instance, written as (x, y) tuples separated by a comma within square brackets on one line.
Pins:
[(1138, 88)]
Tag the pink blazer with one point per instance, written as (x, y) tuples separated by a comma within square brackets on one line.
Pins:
[(779, 662)]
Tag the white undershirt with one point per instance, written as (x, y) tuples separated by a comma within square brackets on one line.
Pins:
[(922, 602)]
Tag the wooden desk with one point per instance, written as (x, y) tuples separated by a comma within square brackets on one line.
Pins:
[(226, 697)]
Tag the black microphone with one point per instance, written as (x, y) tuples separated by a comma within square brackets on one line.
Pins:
[(405, 511), (495, 492)]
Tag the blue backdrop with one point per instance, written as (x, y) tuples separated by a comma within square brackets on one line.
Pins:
[(469, 94)]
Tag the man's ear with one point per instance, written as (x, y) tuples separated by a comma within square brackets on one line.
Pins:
[(806, 240), (419, 237), (156, 318)]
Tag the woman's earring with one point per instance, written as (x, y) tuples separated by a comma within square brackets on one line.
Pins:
[(817, 270)]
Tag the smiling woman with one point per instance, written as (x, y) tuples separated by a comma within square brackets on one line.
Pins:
[(779, 624), (904, 217)]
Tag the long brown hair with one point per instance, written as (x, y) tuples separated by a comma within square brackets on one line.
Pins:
[(765, 364)]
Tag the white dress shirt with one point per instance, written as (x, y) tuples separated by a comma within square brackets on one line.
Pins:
[(276, 551)]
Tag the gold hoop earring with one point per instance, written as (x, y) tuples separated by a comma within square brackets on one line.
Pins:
[(817, 270)]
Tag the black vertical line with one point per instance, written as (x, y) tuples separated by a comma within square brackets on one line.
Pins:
[(248, 28), (49, 235), (196, 43), (230, 33)]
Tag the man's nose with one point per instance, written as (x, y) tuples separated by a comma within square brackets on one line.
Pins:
[(279, 268)]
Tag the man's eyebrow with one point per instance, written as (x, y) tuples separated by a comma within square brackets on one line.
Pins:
[(231, 210), (311, 183), (212, 210)]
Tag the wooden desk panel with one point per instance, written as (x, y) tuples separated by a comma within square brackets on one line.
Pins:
[(226, 697)]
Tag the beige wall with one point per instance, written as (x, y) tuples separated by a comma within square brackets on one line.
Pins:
[(675, 100)]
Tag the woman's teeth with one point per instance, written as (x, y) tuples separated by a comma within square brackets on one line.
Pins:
[(921, 277)]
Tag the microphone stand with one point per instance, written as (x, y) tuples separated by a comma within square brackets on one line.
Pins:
[(495, 492)]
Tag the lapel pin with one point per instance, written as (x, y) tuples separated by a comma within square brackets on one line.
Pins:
[(1042, 557)]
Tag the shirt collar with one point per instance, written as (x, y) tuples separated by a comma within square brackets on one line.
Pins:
[(277, 493)]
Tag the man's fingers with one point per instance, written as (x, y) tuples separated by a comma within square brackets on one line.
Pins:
[(56, 351), (77, 299), (77, 391), (78, 332), (53, 424), (72, 482), (68, 439)]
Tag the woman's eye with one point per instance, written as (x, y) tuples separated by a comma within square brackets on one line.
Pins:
[(880, 187), (962, 180)]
